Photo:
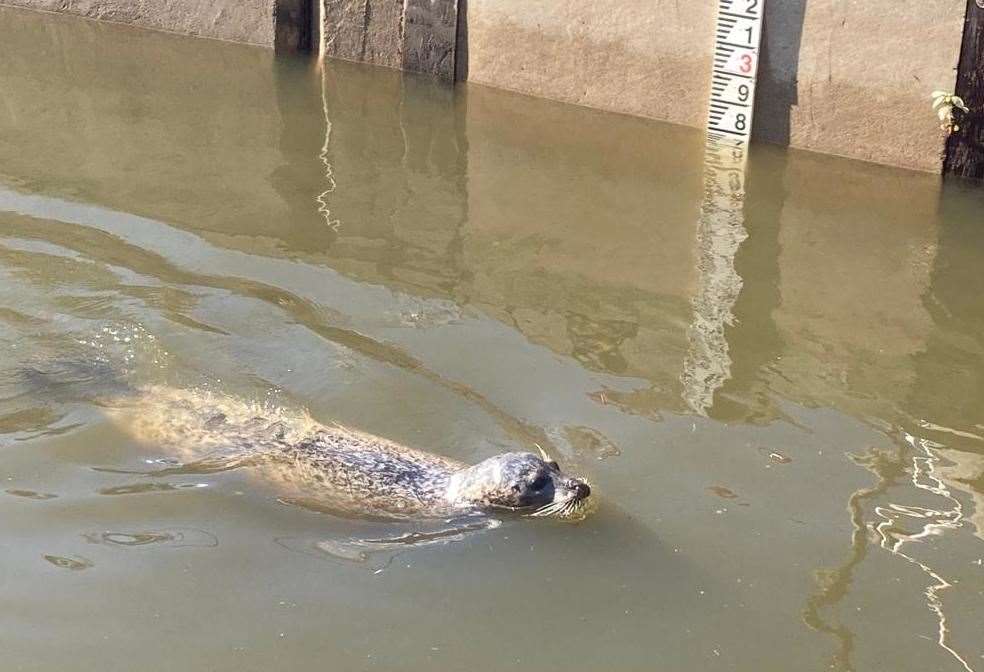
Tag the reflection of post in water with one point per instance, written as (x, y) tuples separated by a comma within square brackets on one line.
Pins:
[(323, 156), (946, 399), (300, 88), (720, 231), (949, 389), (398, 140), (945, 403), (887, 525), (917, 497), (932, 522), (834, 584)]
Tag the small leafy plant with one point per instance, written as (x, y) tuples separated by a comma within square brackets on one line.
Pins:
[(945, 103)]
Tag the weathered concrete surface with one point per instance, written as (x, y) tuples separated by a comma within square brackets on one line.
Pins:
[(414, 35), (649, 58), (846, 78), (249, 21), (861, 80)]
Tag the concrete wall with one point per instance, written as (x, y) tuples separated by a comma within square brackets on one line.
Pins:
[(649, 58), (850, 78), (842, 77), (249, 21), (860, 83)]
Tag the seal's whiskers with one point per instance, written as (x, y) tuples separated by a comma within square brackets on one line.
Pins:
[(554, 508)]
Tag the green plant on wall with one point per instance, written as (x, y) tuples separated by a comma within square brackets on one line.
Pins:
[(945, 103)]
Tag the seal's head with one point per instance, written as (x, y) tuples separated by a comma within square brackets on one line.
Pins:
[(520, 482)]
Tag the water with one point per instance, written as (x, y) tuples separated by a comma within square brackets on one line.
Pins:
[(469, 273)]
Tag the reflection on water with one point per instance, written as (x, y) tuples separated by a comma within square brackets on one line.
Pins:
[(174, 538), (76, 562), (720, 231), (833, 585), (377, 553), (322, 198), (782, 414), (932, 522)]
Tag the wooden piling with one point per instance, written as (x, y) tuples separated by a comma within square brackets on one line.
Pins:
[(294, 29), (965, 146)]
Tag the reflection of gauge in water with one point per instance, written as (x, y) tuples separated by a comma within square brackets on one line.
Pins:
[(721, 228)]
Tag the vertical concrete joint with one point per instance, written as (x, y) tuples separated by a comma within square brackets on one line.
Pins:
[(293, 26)]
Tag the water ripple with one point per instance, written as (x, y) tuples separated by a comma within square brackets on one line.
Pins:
[(75, 562), (174, 537)]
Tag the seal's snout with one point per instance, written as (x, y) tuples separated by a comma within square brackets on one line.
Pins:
[(521, 482), (581, 489)]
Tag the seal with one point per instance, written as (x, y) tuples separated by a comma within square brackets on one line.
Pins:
[(348, 472)]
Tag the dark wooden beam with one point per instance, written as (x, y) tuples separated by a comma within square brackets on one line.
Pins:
[(965, 146), (293, 27)]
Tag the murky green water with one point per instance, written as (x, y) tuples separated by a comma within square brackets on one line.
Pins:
[(471, 273)]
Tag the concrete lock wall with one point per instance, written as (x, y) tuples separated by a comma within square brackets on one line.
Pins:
[(842, 77), (249, 21), (850, 78)]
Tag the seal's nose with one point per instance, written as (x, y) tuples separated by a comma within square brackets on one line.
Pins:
[(582, 490)]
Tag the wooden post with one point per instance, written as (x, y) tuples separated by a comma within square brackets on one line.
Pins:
[(292, 26), (965, 146)]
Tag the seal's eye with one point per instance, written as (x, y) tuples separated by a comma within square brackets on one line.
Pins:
[(553, 465), (541, 482)]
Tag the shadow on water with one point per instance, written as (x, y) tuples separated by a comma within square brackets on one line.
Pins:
[(753, 338)]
